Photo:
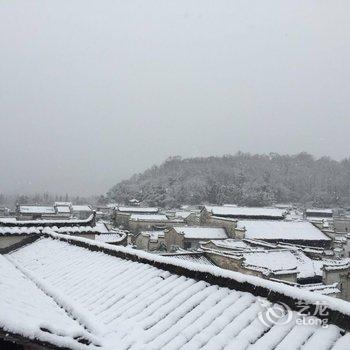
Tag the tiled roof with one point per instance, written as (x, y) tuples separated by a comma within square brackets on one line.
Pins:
[(191, 257), (140, 210), (136, 300), (35, 209), (282, 230), (27, 311), (46, 223), (18, 228), (231, 211), (148, 217), (200, 232)]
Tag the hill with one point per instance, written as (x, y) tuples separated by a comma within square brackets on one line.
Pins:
[(243, 178)]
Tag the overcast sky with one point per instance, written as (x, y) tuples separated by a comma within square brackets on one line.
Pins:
[(93, 91)]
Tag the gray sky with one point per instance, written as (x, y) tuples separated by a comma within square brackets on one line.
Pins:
[(93, 91)]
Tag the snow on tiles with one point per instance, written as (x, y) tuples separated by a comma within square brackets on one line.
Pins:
[(145, 210), (246, 212), (28, 311), (201, 232), (148, 217), (32, 209), (281, 230), (127, 304)]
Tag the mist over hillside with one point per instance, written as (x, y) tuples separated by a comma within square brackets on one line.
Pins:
[(243, 178)]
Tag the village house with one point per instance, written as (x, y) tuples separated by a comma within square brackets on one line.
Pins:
[(63, 204), (230, 225), (189, 237), (265, 261), (294, 232), (33, 212), (150, 222), (322, 218), (81, 211), (63, 209), (150, 240), (341, 225), (237, 262), (338, 271), (99, 302), (105, 212), (16, 232), (190, 257), (114, 237), (190, 218), (122, 214), (289, 264), (4, 211), (316, 213), (234, 212)]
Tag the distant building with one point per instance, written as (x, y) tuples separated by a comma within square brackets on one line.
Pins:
[(288, 264), (234, 212), (150, 222), (191, 218), (150, 240), (63, 211), (122, 214), (33, 212), (323, 218), (342, 225), (295, 232), (318, 213), (81, 211), (189, 237), (63, 204), (13, 232)]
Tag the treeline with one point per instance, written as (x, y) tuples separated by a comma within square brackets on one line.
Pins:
[(243, 179), (45, 198)]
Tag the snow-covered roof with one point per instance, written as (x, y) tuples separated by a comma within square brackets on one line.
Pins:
[(29, 230), (191, 257), (283, 260), (21, 230), (183, 214), (63, 209), (153, 235), (200, 232), (131, 304), (138, 210), (322, 288), (97, 229), (28, 310), (63, 204), (241, 212), (83, 208), (111, 237), (58, 226), (45, 222), (283, 230), (36, 209), (319, 211), (231, 243), (150, 217)]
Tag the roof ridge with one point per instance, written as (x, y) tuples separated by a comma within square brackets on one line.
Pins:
[(88, 323), (339, 310)]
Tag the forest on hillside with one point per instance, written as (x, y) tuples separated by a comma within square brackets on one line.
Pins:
[(243, 179)]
